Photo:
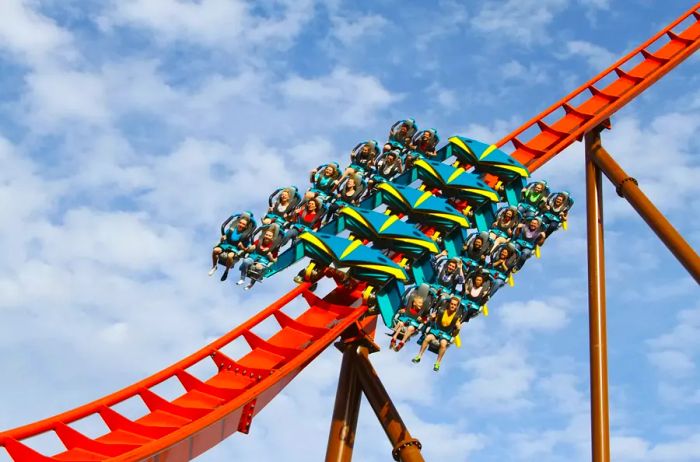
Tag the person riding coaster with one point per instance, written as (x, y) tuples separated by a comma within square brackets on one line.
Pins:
[(443, 327), (306, 217), (412, 317), (324, 180), (349, 192), (532, 198), (526, 238), (507, 219), (261, 254), (555, 211), (282, 203), (449, 273), (477, 291), (388, 166), (476, 249), (503, 258), (425, 142), (235, 238), (362, 158), (401, 133)]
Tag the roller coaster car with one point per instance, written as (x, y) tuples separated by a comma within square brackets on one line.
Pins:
[(420, 206), (388, 231), (233, 236), (556, 210), (257, 270), (475, 304), (487, 158), (323, 179), (275, 215), (455, 182), (389, 165), (533, 196), (342, 198)]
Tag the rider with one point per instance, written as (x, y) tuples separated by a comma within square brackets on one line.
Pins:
[(502, 228), (409, 316), (362, 158), (502, 264), (532, 198), (402, 132), (234, 240), (526, 237), (325, 181), (349, 193), (307, 216), (476, 249), (445, 325), (425, 142), (449, 274), (282, 207), (557, 205), (263, 248)]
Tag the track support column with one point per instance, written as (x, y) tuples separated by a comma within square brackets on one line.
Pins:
[(627, 187), (405, 447), (600, 420), (347, 408)]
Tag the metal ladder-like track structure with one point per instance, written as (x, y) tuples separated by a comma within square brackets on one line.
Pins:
[(213, 408)]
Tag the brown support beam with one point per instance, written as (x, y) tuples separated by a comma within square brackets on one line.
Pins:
[(405, 447), (600, 421), (347, 408), (627, 187)]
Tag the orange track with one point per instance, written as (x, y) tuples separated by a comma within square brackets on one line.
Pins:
[(217, 407)]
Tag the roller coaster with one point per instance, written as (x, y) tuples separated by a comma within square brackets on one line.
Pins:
[(381, 246)]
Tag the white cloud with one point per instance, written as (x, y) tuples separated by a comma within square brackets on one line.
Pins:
[(515, 70), (31, 36), (629, 448), (214, 23), (523, 21), (349, 31), (500, 381), (534, 315), (597, 57)]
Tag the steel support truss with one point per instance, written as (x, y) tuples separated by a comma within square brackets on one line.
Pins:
[(599, 162), (357, 375)]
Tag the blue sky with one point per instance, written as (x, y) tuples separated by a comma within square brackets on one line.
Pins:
[(130, 129)]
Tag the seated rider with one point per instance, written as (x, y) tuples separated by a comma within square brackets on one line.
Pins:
[(502, 229), (526, 237), (282, 203), (556, 211), (476, 249), (532, 198), (324, 179), (444, 326), (389, 165), (503, 260), (235, 237), (262, 252), (425, 142), (349, 193), (409, 319), (449, 273), (402, 132), (362, 158), (477, 291), (308, 215)]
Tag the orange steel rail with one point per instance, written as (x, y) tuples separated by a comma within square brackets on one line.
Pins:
[(210, 410), (217, 407), (563, 123)]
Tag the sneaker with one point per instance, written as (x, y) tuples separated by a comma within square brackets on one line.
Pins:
[(212, 270), (248, 287), (392, 344), (240, 282), (436, 367), (225, 275), (416, 359), (399, 346)]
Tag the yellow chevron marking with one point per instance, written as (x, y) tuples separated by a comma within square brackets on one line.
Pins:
[(488, 151), (422, 198), (353, 213), (391, 190), (351, 248), (389, 221), (455, 174), (396, 272), (310, 238), (429, 168), (430, 246), (461, 144)]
